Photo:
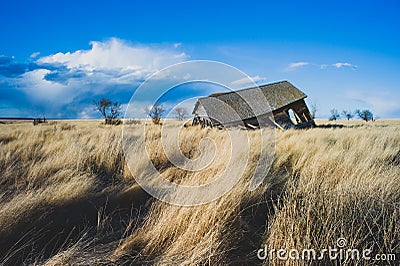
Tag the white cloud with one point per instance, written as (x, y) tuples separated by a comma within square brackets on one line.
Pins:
[(39, 89), (343, 64), (177, 44), (248, 81), (87, 113), (112, 68), (298, 64), (136, 109), (34, 55), (382, 103), (133, 61)]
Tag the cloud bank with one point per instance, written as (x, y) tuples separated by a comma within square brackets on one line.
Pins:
[(248, 81), (61, 84), (297, 65), (381, 102)]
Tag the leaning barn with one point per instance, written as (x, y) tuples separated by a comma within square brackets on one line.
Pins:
[(285, 102)]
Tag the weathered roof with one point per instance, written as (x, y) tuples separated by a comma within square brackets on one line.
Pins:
[(277, 94)]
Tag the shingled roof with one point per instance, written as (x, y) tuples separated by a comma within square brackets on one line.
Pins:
[(277, 94)]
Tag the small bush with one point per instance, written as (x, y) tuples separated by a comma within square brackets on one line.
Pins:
[(113, 121)]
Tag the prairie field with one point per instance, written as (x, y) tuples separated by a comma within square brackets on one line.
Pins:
[(67, 197)]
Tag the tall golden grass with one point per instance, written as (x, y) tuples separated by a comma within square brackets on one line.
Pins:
[(68, 197)]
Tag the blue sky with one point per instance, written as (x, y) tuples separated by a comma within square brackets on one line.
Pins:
[(57, 56)]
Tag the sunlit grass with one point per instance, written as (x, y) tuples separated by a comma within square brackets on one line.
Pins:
[(67, 196)]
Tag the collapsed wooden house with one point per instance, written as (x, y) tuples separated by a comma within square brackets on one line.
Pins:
[(283, 105)]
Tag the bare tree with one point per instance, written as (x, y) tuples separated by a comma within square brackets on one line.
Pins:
[(181, 112), (313, 110), (365, 115), (155, 112), (115, 110), (39, 120), (334, 115), (109, 110), (349, 115)]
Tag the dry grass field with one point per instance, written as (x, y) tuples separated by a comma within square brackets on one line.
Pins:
[(68, 197)]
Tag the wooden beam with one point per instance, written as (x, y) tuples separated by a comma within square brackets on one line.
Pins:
[(251, 126), (276, 124)]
